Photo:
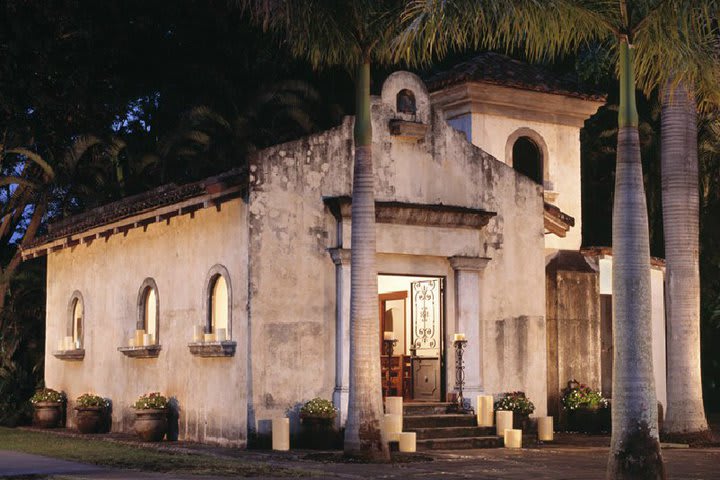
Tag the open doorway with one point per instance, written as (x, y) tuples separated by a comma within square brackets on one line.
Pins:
[(411, 311)]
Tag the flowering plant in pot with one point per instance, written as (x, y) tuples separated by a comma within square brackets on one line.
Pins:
[(151, 411), (90, 409), (318, 417), (520, 405), (586, 409), (48, 404)]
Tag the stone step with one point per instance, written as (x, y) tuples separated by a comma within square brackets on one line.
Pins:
[(426, 408), (460, 443), (452, 432), (439, 421)]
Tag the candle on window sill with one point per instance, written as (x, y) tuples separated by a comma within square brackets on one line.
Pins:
[(78, 346), (131, 342), (389, 335), (220, 334), (147, 339), (459, 337), (68, 343), (198, 333), (61, 344), (139, 337), (209, 337)]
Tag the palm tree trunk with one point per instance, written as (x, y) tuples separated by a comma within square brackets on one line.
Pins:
[(680, 200), (363, 430), (635, 446)]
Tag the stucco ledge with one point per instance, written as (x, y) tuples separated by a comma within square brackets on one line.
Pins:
[(225, 348), (147, 351), (74, 354)]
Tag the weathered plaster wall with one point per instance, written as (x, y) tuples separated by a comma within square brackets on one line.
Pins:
[(293, 279), (210, 392)]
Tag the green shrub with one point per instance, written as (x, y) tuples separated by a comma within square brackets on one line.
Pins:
[(318, 407), (515, 402), (87, 400), (47, 395), (581, 396), (150, 401)]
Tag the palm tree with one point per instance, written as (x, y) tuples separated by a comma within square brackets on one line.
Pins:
[(543, 29), (684, 90), (352, 34)]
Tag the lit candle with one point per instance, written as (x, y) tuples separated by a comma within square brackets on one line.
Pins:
[(393, 423), (198, 333), (545, 429), (221, 334), (459, 336), (485, 410), (504, 421), (394, 405), (513, 438), (139, 337), (209, 337), (147, 339), (280, 433), (389, 336), (407, 441)]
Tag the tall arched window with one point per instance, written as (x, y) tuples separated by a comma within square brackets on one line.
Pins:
[(527, 159), (77, 317), (218, 297), (148, 309)]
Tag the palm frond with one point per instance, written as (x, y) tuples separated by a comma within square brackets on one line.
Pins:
[(36, 158)]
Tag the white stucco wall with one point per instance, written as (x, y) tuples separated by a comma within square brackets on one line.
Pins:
[(210, 392)]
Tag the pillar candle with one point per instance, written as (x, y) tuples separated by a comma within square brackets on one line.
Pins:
[(393, 423), (139, 337), (392, 437), (198, 333), (221, 334), (459, 336), (281, 434), (485, 411), (68, 343), (503, 420), (147, 339), (131, 342), (394, 405), (407, 441), (545, 429), (389, 336), (513, 438), (209, 337), (77, 344)]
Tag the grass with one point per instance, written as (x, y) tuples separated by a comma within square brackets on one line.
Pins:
[(121, 456)]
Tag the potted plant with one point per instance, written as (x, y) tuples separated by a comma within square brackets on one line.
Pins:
[(151, 412), (90, 412), (520, 405), (317, 417), (48, 405), (586, 409)]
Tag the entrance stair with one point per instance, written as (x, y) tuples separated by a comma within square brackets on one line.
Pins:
[(437, 427)]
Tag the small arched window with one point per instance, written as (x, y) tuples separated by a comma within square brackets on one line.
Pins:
[(148, 309), (218, 295), (76, 320), (406, 102), (527, 159)]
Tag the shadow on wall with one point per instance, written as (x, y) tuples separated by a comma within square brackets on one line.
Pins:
[(173, 419)]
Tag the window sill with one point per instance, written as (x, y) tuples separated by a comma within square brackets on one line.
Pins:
[(408, 130), (225, 348), (75, 354), (146, 351)]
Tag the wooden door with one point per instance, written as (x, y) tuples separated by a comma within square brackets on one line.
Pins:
[(426, 318)]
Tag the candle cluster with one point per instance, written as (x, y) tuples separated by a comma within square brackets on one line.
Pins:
[(141, 339), (199, 335), (68, 343)]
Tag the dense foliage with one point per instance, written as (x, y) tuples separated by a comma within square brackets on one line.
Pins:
[(318, 407), (47, 395), (581, 396), (515, 402), (87, 400), (152, 400)]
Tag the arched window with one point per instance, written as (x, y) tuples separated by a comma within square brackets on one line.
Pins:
[(218, 297), (148, 309), (76, 311), (406, 102), (528, 159)]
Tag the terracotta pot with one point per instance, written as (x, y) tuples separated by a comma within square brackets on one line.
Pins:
[(318, 433), (48, 414), (89, 419), (151, 424)]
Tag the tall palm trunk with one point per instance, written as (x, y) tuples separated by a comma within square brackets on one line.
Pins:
[(680, 200), (363, 430), (635, 447)]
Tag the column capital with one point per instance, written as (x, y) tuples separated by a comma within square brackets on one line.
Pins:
[(476, 264), (340, 256)]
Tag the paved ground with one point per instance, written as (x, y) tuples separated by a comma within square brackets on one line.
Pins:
[(570, 457)]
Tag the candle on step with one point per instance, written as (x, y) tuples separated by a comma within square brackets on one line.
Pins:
[(545, 429), (513, 438), (281, 434), (407, 441), (485, 410), (389, 336), (393, 423), (459, 337), (504, 421), (198, 333), (394, 405)]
